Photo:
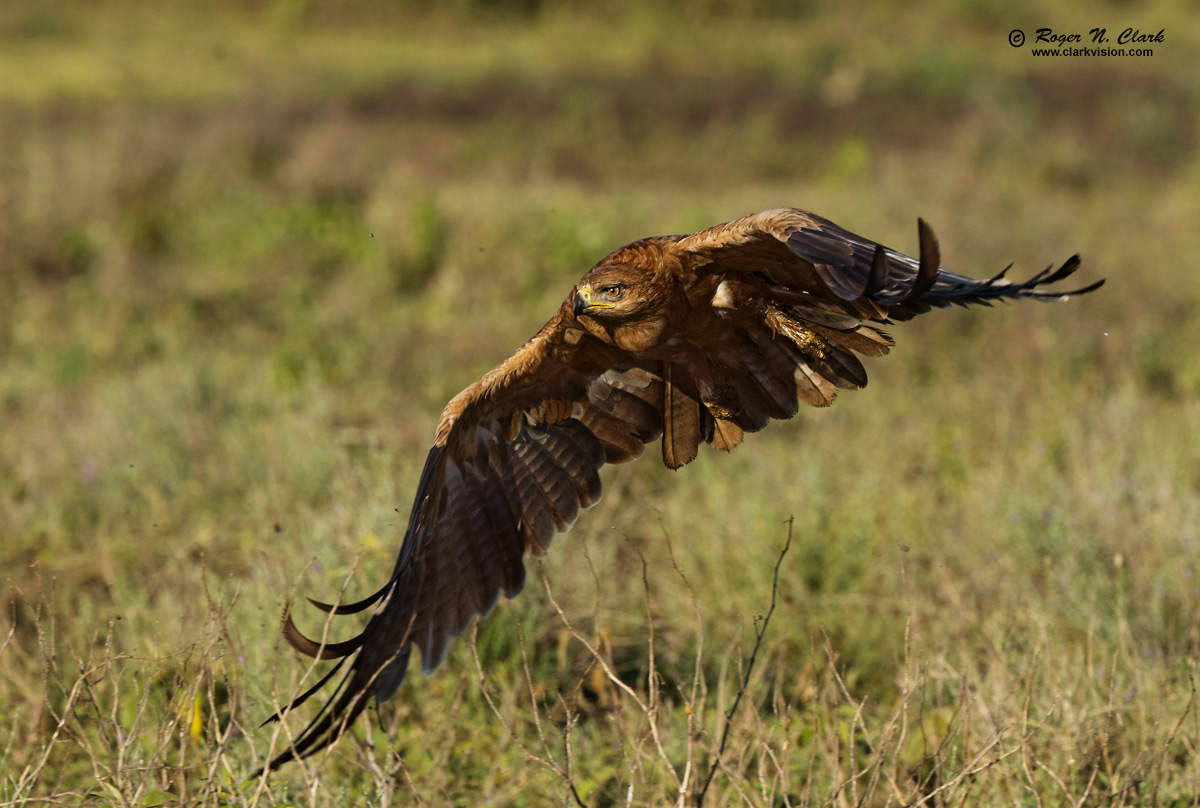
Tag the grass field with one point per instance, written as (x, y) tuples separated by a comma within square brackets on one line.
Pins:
[(248, 251)]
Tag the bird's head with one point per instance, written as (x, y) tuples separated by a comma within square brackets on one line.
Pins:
[(604, 301), (624, 286)]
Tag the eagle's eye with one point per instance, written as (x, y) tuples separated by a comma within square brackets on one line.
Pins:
[(614, 291)]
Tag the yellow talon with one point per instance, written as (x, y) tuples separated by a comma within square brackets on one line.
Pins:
[(724, 413), (810, 343)]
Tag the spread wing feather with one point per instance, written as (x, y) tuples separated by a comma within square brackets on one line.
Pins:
[(482, 504), (779, 306), (812, 260)]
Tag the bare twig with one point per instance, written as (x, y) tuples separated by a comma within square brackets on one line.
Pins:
[(760, 630), (598, 655), (1171, 739), (1026, 752), (548, 762), (693, 703)]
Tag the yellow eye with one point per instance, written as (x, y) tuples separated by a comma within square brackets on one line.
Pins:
[(614, 290)]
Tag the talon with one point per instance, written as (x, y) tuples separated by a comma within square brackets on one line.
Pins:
[(718, 411)]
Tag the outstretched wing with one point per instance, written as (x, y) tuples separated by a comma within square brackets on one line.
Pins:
[(780, 305), (813, 261), (516, 457)]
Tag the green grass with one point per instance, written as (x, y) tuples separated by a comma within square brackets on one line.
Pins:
[(247, 254)]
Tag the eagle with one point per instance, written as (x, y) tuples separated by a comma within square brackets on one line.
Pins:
[(678, 339)]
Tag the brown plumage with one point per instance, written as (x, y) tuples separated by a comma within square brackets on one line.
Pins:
[(690, 339)]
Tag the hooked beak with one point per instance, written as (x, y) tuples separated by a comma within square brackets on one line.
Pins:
[(584, 303)]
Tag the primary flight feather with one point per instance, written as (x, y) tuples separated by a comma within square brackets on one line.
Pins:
[(687, 339)]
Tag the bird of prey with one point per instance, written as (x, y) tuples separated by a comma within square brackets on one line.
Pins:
[(682, 339)]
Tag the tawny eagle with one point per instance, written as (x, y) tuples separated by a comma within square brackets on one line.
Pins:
[(686, 339)]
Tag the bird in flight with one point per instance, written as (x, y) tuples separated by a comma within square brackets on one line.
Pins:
[(680, 339)]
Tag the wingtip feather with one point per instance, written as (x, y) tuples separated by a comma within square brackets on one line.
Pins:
[(930, 261)]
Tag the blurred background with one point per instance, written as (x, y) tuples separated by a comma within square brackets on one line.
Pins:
[(249, 249)]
